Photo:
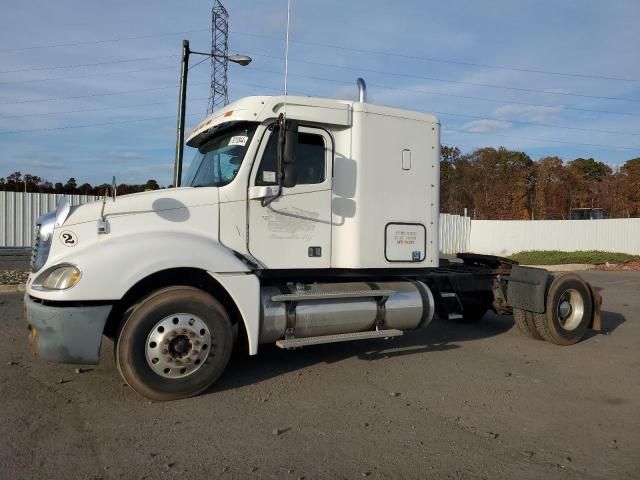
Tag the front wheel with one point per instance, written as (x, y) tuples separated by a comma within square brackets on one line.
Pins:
[(175, 344)]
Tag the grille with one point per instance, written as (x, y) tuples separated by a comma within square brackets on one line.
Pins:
[(34, 249), (41, 248)]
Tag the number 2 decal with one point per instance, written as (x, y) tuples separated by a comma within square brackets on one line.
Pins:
[(68, 239)]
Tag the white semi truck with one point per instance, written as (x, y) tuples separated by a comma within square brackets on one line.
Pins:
[(300, 221)]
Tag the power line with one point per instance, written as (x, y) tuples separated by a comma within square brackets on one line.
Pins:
[(90, 75), (107, 94), (328, 45), (109, 40), (276, 89), (442, 60), (84, 110), (479, 117), (68, 127), (96, 64), (536, 124), (507, 136), (406, 75), (469, 97), (87, 125), (308, 62), (518, 137)]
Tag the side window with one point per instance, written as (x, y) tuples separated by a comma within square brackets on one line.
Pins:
[(310, 160)]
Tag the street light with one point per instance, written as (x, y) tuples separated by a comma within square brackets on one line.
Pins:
[(182, 100)]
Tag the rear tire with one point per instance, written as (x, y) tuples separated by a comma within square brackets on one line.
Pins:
[(526, 323), (569, 311), (175, 344)]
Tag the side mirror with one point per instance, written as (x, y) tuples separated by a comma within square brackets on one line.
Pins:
[(287, 141)]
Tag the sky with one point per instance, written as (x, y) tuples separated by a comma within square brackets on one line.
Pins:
[(88, 89)]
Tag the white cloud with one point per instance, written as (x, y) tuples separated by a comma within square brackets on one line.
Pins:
[(486, 126), (126, 156), (527, 113), (46, 165)]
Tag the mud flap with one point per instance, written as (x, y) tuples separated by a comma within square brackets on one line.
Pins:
[(527, 288), (596, 298)]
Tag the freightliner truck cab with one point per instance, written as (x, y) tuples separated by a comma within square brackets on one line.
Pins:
[(299, 221)]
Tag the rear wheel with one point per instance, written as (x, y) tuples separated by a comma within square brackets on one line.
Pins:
[(174, 344), (569, 311), (526, 323)]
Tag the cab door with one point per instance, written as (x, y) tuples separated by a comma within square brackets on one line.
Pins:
[(294, 230)]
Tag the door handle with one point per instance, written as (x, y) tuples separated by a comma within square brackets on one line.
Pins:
[(256, 193)]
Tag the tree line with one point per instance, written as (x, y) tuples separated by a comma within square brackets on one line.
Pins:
[(489, 183), (16, 182), (504, 184)]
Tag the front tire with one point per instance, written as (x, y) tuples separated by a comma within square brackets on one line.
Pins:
[(175, 344)]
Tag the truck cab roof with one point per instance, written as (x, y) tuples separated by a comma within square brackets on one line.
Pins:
[(307, 109)]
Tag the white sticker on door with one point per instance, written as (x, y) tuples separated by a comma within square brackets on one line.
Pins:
[(269, 177), (405, 242)]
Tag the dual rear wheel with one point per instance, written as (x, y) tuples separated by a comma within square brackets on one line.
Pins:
[(569, 310)]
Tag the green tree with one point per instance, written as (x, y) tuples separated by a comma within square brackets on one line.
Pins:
[(71, 186), (449, 156), (586, 184), (151, 185), (499, 181), (591, 169), (550, 196), (630, 187), (85, 189)]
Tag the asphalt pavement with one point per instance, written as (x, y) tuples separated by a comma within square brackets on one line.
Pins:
[(451, 401)]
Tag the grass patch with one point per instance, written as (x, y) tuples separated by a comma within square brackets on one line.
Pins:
[(555, 257)]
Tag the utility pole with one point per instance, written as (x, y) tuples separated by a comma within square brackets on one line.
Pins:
[(182, 101)]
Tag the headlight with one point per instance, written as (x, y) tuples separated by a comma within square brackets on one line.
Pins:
[(60, 277)]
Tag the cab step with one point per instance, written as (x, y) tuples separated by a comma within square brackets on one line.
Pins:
[(343, 337)]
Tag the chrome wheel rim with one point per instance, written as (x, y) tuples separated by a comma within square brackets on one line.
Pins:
[(178, 346), (570, 309)]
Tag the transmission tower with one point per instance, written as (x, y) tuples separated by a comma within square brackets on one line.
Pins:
[(220, 49)]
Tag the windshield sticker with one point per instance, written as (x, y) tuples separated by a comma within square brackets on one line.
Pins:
[(269, 177), (239, 140)]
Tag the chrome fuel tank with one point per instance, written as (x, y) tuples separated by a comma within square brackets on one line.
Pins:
[(333, 308)]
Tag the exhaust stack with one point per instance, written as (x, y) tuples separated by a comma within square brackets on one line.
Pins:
[(362, 90)]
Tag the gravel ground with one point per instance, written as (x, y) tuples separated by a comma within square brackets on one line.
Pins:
[(13, 277), (14, 266), (451, 401), (622, 267)]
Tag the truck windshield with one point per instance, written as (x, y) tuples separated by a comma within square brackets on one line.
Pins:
[(217, 161)]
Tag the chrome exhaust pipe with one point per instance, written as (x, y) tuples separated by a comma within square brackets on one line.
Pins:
[(362, 90)]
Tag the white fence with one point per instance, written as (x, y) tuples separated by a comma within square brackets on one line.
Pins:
[(454, 233), (19, 212), (504, 237)]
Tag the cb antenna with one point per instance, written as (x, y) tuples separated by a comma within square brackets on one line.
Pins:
[(286, 57)]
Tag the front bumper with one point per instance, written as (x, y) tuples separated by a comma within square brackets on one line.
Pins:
[(66, 334)]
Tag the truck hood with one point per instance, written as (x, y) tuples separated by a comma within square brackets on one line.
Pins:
[(145, 202)]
